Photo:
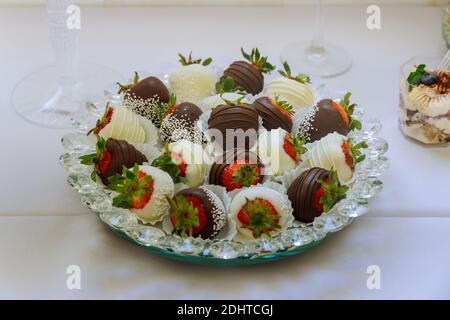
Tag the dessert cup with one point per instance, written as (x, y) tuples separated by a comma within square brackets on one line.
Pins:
[(425, 109)]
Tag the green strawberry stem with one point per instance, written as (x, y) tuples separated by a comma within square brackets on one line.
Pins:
[(284, 105), (287, 73), (94, 158), (246, 175), (298, 144), (334, 192), (255, 58), (128, 186), (167, 164), (353, 124), (355, 151), (185, 62), (236, 102), (125, 87), (261, 221), (185, 214), (162, 107)]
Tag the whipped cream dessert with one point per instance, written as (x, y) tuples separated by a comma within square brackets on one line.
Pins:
[(425, 105)]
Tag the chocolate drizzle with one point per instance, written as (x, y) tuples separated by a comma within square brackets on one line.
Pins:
[(322, 120), (224, 160), (180, 123), (234, 117), (122, 154), (215, 216), (301, 193), (245, 76), (272, 117)]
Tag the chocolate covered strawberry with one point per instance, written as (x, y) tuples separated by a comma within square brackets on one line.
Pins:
[(236, 169), (281, 150), (122, 123), (145, 96), (179, 121), (275, 113), (184, 161), (314, 192), (329, 116), (248, 75), (197, 212), (338, 152), (260, 211), (143, 190), (111, 156)]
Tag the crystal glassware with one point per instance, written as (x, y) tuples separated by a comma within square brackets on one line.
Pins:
[(317, 57), (425, 109), (54, 95)]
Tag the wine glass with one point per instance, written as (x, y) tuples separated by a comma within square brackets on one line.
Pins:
[(54, 95), (317, 57)]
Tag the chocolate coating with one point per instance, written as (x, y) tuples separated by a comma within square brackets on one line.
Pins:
[(301, 193), (235, 117), (122, 154), (245, 76), (149, 88), (272, 117), (214, 215), (223, 161), (180, 123), (325, 119)]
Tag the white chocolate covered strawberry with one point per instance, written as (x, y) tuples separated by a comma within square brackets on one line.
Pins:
[(280, 150), (143, 190), (337, 152)]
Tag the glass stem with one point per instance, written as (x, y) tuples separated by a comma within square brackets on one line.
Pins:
[(317, 44)]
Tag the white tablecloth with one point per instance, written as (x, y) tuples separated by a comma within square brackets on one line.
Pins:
[(44, 228)]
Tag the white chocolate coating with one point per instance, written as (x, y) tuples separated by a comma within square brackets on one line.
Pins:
[(298, 94), (274, 197), (124, 125), (272, 153), (192, 83), (327, 153), (158, 206), (195, 158)]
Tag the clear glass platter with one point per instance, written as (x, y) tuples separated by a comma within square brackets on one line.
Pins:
[(365, 184)]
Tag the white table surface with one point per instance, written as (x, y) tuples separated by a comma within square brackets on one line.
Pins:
[(44, 228)]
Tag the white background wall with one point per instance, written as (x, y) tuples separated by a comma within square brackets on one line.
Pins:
[(231, 2)]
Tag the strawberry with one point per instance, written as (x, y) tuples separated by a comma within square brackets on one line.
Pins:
[(294, 146), (103, 121), (168, 108), (240, 173), (283, 106), (188, 215), (328, 193), (172, 163), (134, 188), (259, 216), (346, 110), (185, 62), (111, 156), (352, 152), (258, 62)]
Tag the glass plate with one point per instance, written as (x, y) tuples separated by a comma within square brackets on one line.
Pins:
[(364, 185)]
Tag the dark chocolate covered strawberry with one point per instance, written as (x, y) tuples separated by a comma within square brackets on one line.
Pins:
[(236, 170), (197, 212), (314, 192), (248, 75), (179, 121), (236, 122), (275, 113), (145, 96), (111, 156), (329, 116)]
